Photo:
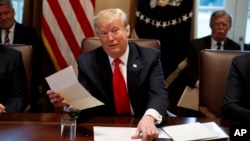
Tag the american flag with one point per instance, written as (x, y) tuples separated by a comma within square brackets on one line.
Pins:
[(64, 24)]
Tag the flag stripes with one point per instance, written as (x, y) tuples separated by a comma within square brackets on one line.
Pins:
[(64, 24)]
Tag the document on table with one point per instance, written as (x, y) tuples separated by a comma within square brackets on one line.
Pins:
[(120, 134), (195, 131), (189, 98), (65, 82), (183, 132)]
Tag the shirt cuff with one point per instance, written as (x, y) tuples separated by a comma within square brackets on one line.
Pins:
[(73, 112), (155, 114), (197, 84)]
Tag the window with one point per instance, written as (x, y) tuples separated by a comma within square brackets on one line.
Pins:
[(205, 8), (18, 6), (239, 9), (247, 40)]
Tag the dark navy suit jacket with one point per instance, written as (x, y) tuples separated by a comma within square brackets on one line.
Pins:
[(145, 80), (13, 81), (236, 104), (191, 72), (27, 35)]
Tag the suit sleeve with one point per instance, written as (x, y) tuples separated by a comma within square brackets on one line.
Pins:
[(236, 93), (18, 100)]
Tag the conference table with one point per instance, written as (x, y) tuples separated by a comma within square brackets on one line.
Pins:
[(46, 126)]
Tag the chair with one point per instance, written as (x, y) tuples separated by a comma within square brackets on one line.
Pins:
[(26, 51), (214, 69), (90, 43)]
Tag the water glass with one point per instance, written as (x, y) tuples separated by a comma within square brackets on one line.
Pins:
[(68, 129)]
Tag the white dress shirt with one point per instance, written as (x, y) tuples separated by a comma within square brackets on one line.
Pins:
[(214, 44), (123, 68), (11, 34)]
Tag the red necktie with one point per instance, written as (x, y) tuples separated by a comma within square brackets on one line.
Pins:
[(120, 91)]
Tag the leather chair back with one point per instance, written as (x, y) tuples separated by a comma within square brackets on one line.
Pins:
[(214, 69), (90, 43), (26, 51)]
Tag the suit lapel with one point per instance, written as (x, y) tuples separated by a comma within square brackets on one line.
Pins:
[(133, 69), (104, 73), (207, 42)]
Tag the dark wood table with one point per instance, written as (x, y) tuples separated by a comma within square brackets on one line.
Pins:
[(46, 126)]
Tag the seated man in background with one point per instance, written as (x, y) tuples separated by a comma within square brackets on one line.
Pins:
[(220, 24), (146, 90), (13, 81), (236, 105), (13, 32)]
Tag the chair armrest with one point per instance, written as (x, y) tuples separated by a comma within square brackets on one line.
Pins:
[(204, 111)]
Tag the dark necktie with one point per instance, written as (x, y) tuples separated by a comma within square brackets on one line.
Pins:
[(218, 45), (6, 38), (120, 91)]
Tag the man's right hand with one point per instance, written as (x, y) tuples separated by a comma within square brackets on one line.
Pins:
[(56, 99), (2, 109)]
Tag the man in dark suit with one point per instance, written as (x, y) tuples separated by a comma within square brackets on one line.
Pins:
[(236, 104), (220, 24), (21, 34), (13, 82), (141, 68)]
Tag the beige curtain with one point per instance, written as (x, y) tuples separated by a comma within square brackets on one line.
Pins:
[(193, 20), (32, 14)]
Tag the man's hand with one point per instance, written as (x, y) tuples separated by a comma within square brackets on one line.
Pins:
[(56, 99), (146, 129), (2, 109)]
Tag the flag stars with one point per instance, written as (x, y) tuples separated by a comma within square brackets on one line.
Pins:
[(137, 13), (158, 24), (147, 20), (184, 18), (174, 22), (190, 14), (141, 17), (164, 24)]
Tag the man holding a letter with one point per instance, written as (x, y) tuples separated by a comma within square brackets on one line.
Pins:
[(140, 67)]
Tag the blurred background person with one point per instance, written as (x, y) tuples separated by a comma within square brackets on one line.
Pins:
[(13, 32), (220, 24), (13, 81)]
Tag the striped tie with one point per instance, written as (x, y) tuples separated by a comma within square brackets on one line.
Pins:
[(6, 38)]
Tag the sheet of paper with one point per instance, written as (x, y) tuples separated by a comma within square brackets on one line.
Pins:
[(192, 131), (120, 134), (189, 98), (214, 127), (65, 82)]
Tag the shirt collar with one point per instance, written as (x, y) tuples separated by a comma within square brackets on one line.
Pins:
[(123, 58), (11, 30), (215, 42)]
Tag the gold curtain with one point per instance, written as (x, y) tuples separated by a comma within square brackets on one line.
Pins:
[(32, 14), (192, 34)]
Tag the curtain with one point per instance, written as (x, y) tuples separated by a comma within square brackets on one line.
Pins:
[(32, 16), (32, 13)]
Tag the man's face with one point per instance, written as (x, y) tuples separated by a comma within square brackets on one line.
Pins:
[(114, 37), (220, 26), (7, 15)]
